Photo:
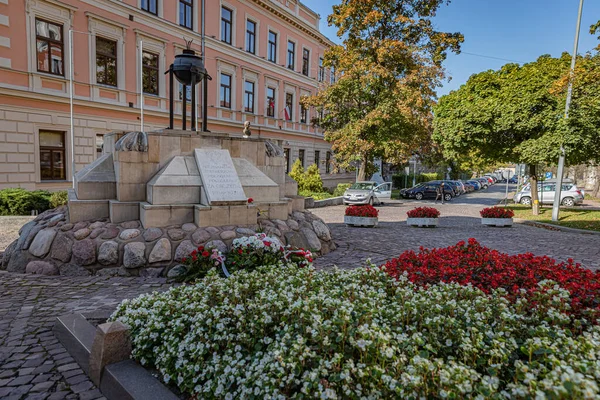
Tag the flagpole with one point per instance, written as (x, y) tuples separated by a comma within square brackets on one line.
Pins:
[(71, 106)]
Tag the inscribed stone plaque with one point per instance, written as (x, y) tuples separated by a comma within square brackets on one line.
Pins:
[(219, 178)]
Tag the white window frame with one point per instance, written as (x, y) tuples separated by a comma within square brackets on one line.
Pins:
[(257, 39), (159, 9), (229, 69), (277, 46), (233, 23), (310, 54), (151, 45), (195, 14), (290, 39)]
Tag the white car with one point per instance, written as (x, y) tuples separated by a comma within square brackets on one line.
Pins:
[(368, 192)]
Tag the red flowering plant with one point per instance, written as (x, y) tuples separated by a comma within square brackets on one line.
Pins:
[(496, 212), (519, 275), (199, 262), (250, 200), (423, 212), (366, 210)]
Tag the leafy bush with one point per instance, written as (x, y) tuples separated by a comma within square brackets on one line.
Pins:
[(496, 212), (282, 333), (423, 212), (315, 195), (366, 210), (517, 275), (21, 202), (59, 198), (200, 262), (309, 180), (340, 189)]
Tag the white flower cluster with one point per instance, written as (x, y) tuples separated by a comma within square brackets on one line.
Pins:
[(260, 241), (278, 333)]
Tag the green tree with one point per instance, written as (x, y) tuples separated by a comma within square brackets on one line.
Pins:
[(297, 172), (388, 68), (312, 179), (513, 114)]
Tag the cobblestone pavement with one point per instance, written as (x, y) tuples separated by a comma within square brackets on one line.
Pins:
[(459, 220), (34, 365)]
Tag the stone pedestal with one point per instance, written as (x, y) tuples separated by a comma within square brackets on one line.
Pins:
[(111, 345)]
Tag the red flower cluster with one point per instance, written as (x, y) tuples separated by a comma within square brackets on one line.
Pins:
[(496, 212), (362, 211), (423, 212), (194, 255), (489, 269), (250, 200)]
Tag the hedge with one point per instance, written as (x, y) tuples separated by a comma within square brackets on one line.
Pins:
[(17, 201)]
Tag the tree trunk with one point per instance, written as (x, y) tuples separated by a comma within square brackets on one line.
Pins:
[(362, 170), (596, 189), (534, 190)]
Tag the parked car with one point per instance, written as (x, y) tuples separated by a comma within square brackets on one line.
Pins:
[(367, 192), (514, 179), (485, 183), (468, 187), (457, 189), (570, 195), (476, 184), (427, 191)]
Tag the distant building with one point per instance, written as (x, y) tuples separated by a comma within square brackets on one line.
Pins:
[(262, 55)]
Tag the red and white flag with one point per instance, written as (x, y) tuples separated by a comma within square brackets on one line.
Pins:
[(288, 113)]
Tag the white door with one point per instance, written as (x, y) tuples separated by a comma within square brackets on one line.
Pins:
[(383, 191)]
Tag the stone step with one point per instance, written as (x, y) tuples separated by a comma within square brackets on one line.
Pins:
[(86, 210), (225, 215), (163, 215)]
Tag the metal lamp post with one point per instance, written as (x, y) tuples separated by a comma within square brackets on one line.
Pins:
[(561, 159)]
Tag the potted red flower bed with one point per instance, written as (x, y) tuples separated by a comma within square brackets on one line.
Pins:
[(423, 217), (497, 216), (365, 215)]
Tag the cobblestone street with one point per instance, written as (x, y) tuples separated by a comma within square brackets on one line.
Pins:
[(33, 365)]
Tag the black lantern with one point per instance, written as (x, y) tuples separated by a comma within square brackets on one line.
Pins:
[(189, 70)]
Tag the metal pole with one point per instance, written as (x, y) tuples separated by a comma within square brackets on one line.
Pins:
[(184, 108), (205, 79), (141, 86), (71, 106), (193, 119), (506, 199), (171, 97), (414, 171), (561, 159)]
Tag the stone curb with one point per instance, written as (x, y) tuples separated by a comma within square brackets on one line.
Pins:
[(309, 202), (120, 380), (555, 227)]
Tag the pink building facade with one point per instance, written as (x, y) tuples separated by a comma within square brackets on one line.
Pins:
[(262, 56)]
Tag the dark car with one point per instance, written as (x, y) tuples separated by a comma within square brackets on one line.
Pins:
[(427, 191), (457, 188)]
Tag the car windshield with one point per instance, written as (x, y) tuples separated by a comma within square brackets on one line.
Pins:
[(362, 186)]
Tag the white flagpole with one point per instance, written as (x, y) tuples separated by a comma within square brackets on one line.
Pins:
[(71, 106), (141, 86)]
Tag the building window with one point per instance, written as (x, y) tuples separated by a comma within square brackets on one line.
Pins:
[(328, 162), (289, 106), (150, 6), (301, 157), (303, 113), (99, 145), (186, 9), (270, 102), (249, 97), (321, 70), (272, 47), (52, 155), (332, 75), (49, 47), (251, 37), (106, 61), (317, 157), (225, 91), (305, 58), (150, 72), (286, 152), (291, 55), (226, 17)]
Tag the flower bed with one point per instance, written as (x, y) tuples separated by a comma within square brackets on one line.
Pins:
[(496, 212), (294, 332), (423, 212), (367, 211), (517, 275)]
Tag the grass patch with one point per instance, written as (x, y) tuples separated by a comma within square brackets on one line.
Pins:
[(590, 197), (315, 195), (569, 217)]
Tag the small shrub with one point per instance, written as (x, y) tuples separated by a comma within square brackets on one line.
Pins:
[(362, 211), (59, 198), (312, 179), (297, 173), (423, 212), (21, 202), (496, 212), (340, 189), (315, 195), (200, 262)]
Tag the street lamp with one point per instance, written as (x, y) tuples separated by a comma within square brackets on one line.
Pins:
[(561, 159)]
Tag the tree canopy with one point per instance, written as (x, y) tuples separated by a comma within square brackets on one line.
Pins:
[(387, 68)]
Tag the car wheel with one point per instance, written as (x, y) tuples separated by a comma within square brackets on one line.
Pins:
[(525, 201), (485, 186), (419, 196), (447, 197), (568, 201)]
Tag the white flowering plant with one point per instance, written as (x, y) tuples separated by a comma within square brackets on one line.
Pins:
[(287, 332)]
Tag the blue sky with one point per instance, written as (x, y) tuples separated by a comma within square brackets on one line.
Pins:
[(519, 30)]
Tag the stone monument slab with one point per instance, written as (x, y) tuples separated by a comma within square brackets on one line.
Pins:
[(220, 180)]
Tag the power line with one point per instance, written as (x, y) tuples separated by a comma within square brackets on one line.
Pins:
[(492, 57)]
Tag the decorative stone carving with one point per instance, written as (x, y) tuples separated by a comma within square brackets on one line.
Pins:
[(133, 141)]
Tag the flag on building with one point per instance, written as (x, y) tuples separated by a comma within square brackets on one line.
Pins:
[(288, 113)]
